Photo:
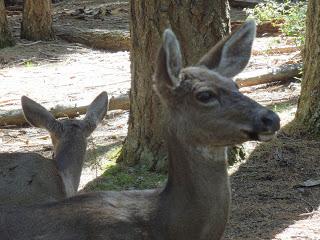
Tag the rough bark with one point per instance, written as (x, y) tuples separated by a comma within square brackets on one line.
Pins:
[(37, 20), (6, 39), (308, 112), (198, 26)]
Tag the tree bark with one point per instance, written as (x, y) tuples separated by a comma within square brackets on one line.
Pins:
[(37, 20), (308, 112), (6, 39), (198, 26)]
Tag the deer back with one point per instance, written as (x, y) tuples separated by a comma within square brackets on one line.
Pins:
[(29, 178)]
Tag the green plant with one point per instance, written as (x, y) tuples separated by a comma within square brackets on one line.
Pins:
[(93, 157), (118, 177), (294, 22), (290, 15), (266, 11), (29, 64)]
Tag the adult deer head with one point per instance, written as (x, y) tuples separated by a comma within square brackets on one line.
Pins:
[(204, 101)]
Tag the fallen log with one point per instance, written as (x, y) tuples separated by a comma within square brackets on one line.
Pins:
[(263, 28), (16, 118), (119, 40), (244, 3), (275, 51), (279, 74), (113, 40)]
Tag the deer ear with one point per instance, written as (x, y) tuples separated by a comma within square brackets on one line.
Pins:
[(96, 112), (231, 55), (38, 116), (173, 55), (169, 63)]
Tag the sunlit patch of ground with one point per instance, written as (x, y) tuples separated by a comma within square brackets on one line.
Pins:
[(79, 76), (307, 229)]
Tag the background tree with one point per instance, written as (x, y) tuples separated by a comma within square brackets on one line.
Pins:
[(6, 39), (198, 26), (308, 112), (37, 20)]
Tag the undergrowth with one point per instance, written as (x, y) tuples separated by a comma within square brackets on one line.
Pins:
[(291, 15)]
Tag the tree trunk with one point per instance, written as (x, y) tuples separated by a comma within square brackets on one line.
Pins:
[(198, 26), (6, 39), (37, 20), (308, 112)]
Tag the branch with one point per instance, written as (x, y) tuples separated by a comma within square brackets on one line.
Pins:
[(262, 76), (16, 118)]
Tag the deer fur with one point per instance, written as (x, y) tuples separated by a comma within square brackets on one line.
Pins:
[(207, 113), (29, 178)]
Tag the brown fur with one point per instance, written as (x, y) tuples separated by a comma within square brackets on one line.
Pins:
[(195, 201), (29, 178)]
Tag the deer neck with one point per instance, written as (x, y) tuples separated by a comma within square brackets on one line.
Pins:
[(195, 170), (197, 193)]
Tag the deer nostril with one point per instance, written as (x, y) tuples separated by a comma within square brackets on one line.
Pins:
[(271, 121)]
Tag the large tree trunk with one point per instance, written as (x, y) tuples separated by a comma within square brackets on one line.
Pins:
[(6, 39), (198, 26), (308, 112), (37, 20)]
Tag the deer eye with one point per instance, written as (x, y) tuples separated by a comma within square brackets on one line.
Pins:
[(205, 96)]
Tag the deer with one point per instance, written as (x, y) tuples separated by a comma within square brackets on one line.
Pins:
[(206, 113), (28, 178)]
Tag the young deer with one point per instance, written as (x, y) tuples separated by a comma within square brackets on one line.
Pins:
[(29, 178), (207, 112)]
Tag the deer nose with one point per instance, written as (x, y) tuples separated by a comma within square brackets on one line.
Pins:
[(270, 121)]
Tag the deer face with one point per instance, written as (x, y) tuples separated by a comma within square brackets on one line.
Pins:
[(66, 133), (204, 102)]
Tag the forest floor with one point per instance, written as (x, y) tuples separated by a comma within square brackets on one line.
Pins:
[(270, 200)]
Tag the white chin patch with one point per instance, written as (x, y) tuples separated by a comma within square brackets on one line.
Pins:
[(265, 137)]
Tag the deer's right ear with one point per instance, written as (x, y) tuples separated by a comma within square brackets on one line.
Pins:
[(168, 64), (38, 116)]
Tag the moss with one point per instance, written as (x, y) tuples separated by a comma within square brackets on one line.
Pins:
[(120, 177)]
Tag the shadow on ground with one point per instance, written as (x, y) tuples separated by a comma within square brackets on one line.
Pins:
[(266, 196)]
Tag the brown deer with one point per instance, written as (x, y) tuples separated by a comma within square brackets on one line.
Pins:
[(207, 112), (29, 178)]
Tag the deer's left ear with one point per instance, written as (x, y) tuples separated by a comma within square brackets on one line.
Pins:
[(95, 113), (231, 55), (168, 64)]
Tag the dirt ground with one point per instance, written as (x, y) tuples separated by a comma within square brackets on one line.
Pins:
[(269, 199)]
